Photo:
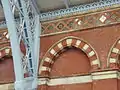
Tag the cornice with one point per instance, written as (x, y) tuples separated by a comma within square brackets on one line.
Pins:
[(78, 9), (74, 10)]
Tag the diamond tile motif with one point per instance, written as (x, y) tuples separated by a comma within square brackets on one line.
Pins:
[(60, 26), (82, 22), (79, 22), (103, 18)]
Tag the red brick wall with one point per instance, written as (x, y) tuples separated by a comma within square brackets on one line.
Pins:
[(101, 39), (85, 86), (6, 70), (107, 84), (71, 62), (74, 61)]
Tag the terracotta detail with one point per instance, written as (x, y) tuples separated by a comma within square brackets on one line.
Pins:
[(113, 55), (6, 51), (71, 42), (81, 22)]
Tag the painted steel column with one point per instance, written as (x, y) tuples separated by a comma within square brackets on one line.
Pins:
[(14, 45), (28, 30), (37, 42)]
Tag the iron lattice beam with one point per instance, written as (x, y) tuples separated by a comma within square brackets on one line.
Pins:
[(26, 31)]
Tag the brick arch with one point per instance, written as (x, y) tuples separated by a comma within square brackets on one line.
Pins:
[(47, 61), (112, 60), (5, 51)]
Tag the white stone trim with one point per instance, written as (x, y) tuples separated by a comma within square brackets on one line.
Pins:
[(43, 68), (71, 80), (53, 52), (69, 42), (91, 53), (85, 47), (60, 46), (105, 75), (7, 86), (115, 50), (95, 62), (80, 79), (43, 81), (48, 60), (67, 80), (112, 60), (103, 18), (78, 43)]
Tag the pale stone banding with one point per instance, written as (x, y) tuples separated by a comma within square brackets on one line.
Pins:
[(66, 80), (85, 47), (95, 62), (79, 79), (43, 68), (115, 50), (113, 60), (53, 52), (69, 42), (48, 60), (91, 53), (60, 46), (7, 87), (70, 80), (105, 75), (77, 43)]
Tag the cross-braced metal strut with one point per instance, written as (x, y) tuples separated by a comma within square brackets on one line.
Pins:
[(24, 28)]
